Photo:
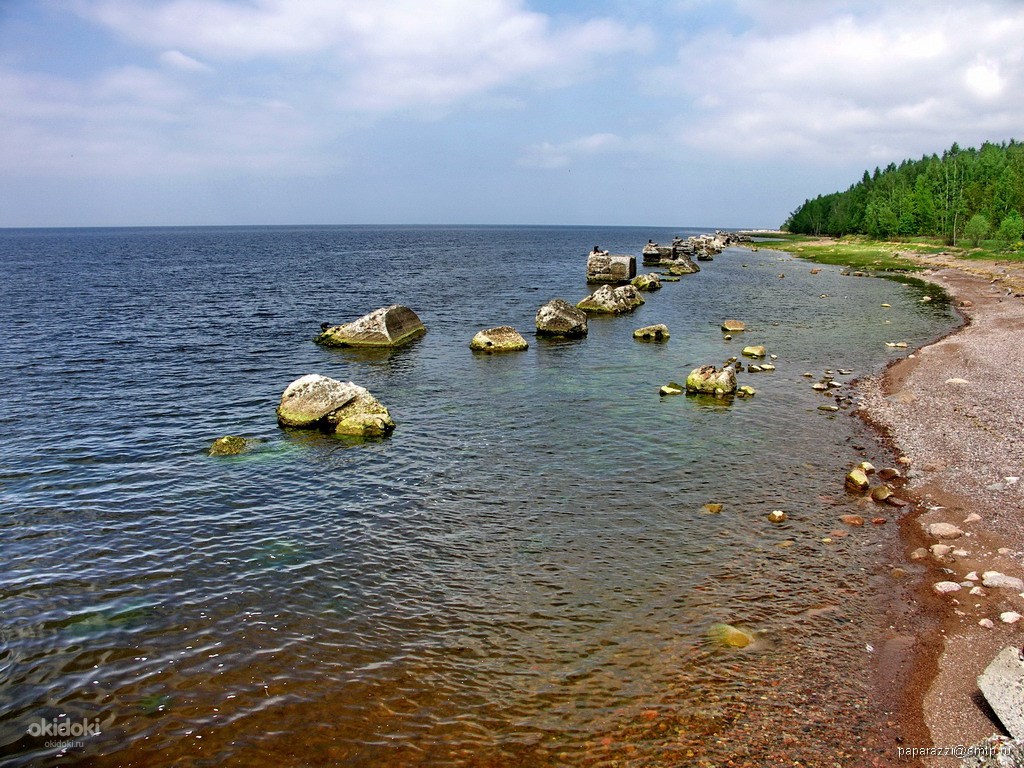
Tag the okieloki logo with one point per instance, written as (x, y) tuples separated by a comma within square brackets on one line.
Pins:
[(64, 728)]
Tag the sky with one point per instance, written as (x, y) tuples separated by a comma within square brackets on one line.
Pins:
[(725, 113)]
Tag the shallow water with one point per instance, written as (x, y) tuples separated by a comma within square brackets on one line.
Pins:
[(521, 574)]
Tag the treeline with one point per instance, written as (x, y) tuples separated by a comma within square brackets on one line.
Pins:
[(964, 193)]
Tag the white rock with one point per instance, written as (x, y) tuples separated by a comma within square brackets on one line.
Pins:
[(959, 553), (987, 623), (1010, 617), (944, 531), (940, 550), (978, 591), (972, 576), (957, 381), (944, 587), (1011, 480), (996, 579), (972, 518)]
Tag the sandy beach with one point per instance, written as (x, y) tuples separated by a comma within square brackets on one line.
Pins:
[(954, 409)]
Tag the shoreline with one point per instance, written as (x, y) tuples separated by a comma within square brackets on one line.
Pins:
[(951, 408)]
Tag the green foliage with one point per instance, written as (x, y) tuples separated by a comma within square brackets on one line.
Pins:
[(977, 229), (1011, 228), (931, 197)]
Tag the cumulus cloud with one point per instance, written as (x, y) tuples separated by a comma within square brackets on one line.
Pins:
[(380, 54), (870, 80)]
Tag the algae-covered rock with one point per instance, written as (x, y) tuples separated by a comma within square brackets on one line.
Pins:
[(647, 282), (756, 350), (229, 445), (857, 480), (671, 389), (560, 318), (683, 265), (730, 636), (614, 301), (652, 333), (504, 338), (710, 380), (344, 408), (385, 327)]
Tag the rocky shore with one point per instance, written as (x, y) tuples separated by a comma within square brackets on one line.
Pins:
[(954, 409)]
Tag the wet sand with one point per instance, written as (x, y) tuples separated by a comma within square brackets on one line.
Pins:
[(956, 410)]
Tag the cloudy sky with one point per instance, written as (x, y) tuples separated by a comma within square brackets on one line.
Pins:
[(650, 112)]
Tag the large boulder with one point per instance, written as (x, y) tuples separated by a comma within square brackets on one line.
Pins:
[(384, 327), (560, 318), (610, 268), (614, 301), (648, 282), (344, 408), (709, 380), (683, 265), (733, 326), (504, 338)]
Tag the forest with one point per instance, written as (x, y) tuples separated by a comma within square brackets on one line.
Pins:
[(964, 194)]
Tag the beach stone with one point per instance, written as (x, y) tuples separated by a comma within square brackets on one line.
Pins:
[(504, 338), (944, 531), (881, 493), (867, 467), (709, 380), (776, 516), (229, 445), (683, 265), (940, 550), (610, 268), (819, 386), (385, 327), (613, 301), (857, 480), (648, 282), (889, 473), (945, 587), (830, 408), (344, 408), (652, 333), (919, 554), (730, 636), (754, 350), (1002, 683), (972, 518), (733, 326), (975, 590), (747, 391), (1010, 617), (767, 367), (987, 623), (995, 579), (855, 520), (671, 389), (712, 508), (562, 319)]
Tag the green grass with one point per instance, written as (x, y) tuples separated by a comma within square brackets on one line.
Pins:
[(993, 250), (852, 251)]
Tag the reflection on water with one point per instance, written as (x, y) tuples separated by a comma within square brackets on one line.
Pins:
[(523, 574)]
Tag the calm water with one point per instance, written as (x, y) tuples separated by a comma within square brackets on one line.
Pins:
[(521, 575)]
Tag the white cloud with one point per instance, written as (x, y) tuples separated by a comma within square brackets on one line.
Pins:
[(841, 80), (380, 54), (548, 155), (178, 60)]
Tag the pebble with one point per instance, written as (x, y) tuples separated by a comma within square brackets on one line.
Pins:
[(957, 381), (972, 518), (945, 587), (995, 579), (776, 516), (978, 591), (944, 531), (987, 623), (852, 519), (940, 550), (972, 576), (1010, 617), (829, 408), (920, 553)]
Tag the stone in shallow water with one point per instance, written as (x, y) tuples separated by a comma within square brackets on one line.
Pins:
[(560, 318), (733, 326), (229, 445), (730, 636), (657, 332), (504, 338), (385, 327), (345, 408)]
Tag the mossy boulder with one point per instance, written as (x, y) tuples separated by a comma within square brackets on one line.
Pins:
[(342, 408), (504, 338), (683, 265), (647, 282), (559, 318), (229, 445), (612, 301), (709, 380), (385, 327), (756, 350), (657, 332)]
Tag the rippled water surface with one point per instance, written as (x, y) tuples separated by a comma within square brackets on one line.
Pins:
[(522, 574)]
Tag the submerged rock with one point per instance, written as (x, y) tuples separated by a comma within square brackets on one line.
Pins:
[(856, 480), (683, 265), (504, 338), (730, 636), (733, 326), (229, 445), (385, 327), (755, 350), (671, 389), (610, 268), (652, 333), (344, 408), (560, 318), (613, 301)]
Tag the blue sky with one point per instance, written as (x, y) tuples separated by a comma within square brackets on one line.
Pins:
[(687, 113)]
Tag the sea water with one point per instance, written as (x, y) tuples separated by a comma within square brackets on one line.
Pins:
[(524, 573)]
